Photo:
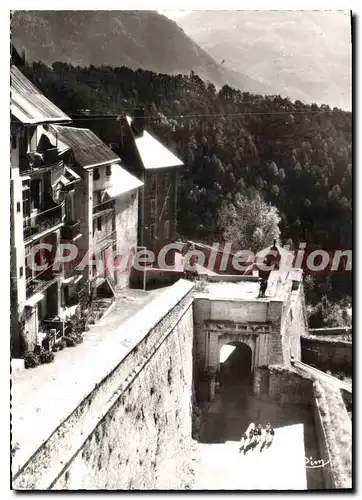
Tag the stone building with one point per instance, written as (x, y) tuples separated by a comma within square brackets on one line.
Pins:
[(107, 204), (264, 331), (41, 191), (156, 166)]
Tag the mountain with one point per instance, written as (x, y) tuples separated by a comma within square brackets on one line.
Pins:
[(137, 39), (304, 55)]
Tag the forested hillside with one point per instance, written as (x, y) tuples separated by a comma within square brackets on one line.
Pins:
[(297, 157), (136, 39)]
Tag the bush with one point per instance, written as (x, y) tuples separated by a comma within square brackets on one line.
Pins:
[(78, 338), (70, 341), (46, 357), (31, 360), (62, 344)]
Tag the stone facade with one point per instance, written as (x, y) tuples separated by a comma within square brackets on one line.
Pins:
[(133, 430), (126, 207), (334, 355), (283, 385), (271, 328)]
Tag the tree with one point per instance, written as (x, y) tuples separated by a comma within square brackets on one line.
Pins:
[(250, 223)]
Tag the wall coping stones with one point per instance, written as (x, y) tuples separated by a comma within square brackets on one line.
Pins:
[(34, 421), (321, 340)]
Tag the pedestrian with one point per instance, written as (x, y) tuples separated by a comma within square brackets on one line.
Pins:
[(243, 442), (255, 437), (249, 433), (259, 429), (263, 287), (269, 434)]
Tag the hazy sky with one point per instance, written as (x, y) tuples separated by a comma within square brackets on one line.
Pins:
[(175, 15)]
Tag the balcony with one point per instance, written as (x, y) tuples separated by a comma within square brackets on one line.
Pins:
[(53, 330), (103, 208), (35, 162), (70, 231), (41, 282), (43, 221), (105, 237)]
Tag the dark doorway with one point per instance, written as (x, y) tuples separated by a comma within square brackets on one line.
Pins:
[(235, 364)]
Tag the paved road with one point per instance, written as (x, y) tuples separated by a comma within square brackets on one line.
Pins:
[(280, 467), (221, 467)]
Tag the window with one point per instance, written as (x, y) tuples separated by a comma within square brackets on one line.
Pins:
[(153, 182), (26, 200), (29, 269), (97, 198), (23, 142), (18, 207), (57, 191), (166, 206), (167, 181), (35, 193), (99, 223), (108, 170), (13, 141), (21, 271), (69, 206), (153, 231), (153, 207), (96, 174), (167, 229)]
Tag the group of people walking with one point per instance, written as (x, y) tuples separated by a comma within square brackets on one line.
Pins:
[(256, 434)]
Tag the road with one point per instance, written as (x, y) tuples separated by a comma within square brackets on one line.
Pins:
[(281, 467)]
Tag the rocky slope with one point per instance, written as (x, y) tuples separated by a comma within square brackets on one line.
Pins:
[(305, 55)]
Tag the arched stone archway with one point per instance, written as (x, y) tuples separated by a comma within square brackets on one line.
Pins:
[(235, 340), (235, 364)]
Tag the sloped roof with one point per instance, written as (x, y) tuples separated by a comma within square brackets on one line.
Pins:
[(122, 182), (88, 149), (29, 105), (153, 154)]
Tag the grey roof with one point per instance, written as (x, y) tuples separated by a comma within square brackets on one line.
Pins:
[(154, 154), (29, 105), (88, 149)]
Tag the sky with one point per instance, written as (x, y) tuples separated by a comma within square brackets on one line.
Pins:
[(175, 15)]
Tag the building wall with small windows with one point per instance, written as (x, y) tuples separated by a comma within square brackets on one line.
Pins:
[(126, 226), (159, 208)]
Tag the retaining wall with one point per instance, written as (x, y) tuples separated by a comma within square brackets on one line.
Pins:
[(126, 416), (332, 424), (326, 354), (283, 385)]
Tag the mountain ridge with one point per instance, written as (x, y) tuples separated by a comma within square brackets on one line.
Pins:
[(148, 40), (304, 55)]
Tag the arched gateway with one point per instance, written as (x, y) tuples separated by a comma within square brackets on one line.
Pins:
[(235, 364), (265, 330)]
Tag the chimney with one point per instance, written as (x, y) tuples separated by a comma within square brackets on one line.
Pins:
[(138, 122)]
